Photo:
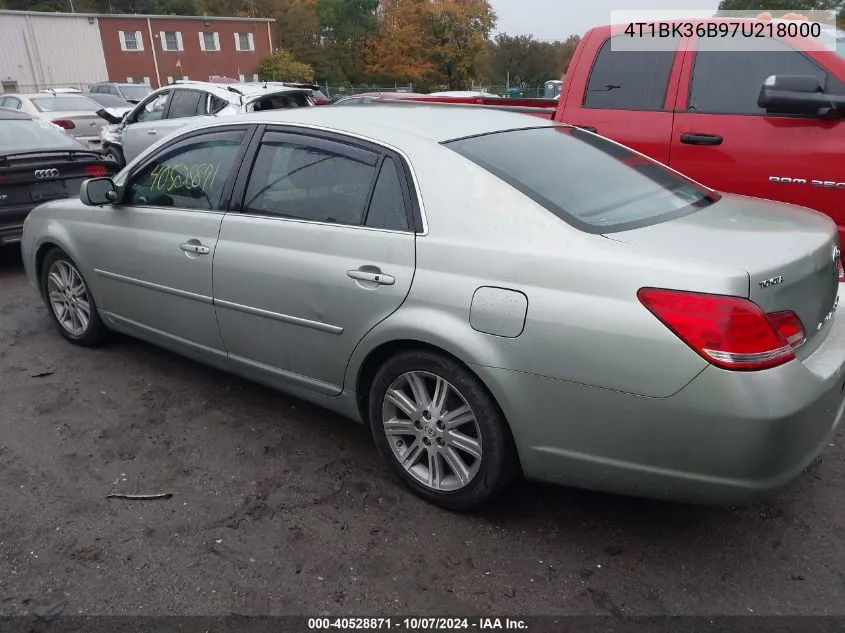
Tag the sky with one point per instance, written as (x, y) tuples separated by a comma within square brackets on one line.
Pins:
[(550, 20)]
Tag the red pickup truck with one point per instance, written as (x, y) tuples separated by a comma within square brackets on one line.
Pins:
[(707, 113)]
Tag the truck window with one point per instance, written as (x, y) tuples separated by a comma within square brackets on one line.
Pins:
[(586, 180), (729, 82), (630, 79)]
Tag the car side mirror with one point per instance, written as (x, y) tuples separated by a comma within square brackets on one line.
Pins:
[(98, 192), (797, 94)]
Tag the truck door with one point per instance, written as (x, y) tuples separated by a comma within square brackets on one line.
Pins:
[(622, 88), (723, 140)]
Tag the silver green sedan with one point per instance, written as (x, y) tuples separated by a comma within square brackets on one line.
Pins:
[(493, 294)]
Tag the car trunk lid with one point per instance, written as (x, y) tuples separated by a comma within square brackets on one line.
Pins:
[(29, 178), (78, 124), (791, 255)]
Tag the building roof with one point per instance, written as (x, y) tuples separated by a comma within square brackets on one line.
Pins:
[(135, 16)]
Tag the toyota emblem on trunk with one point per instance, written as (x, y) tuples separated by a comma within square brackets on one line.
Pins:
[(46, 173)]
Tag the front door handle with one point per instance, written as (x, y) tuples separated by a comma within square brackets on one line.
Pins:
[(199, 249), (151, 132), (373, 277), (701, 139)]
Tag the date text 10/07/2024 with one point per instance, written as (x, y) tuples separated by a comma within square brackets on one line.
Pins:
[(417, 624), (723, 29)]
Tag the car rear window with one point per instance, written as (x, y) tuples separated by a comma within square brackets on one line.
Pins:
[(18, 135), (133, 91), (588, 181), (64, 104)]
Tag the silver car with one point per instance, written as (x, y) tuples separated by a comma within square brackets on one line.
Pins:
[(493, 294), (76, 113), (188, 103)]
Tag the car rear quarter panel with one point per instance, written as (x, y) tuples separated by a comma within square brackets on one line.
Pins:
[(584, 323)]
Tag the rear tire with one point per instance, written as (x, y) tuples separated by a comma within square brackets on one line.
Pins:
[(70, 302), (440, 431), (116, 154)]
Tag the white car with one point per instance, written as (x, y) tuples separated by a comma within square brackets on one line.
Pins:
[(190, 102)]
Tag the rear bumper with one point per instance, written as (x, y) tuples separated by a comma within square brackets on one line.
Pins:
[(11, 223), (727, 437)]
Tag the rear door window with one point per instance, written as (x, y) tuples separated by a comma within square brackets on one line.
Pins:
[(586, 180), (184, 103), (310, 179), (387, 207), (623, 79)]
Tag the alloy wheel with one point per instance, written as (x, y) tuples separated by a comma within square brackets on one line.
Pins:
[(68, 297), (432, 431)]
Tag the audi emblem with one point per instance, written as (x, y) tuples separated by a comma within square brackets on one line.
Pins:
[(46, 173)]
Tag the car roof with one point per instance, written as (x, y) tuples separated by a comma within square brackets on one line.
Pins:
[(402, 121), (9, 113)]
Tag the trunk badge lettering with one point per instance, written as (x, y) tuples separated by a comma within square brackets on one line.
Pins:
[(774, 281), (829, 315)]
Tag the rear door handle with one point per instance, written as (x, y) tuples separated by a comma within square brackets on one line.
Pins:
[(373, 277), (701, 139), (199, 249), (151, 132)]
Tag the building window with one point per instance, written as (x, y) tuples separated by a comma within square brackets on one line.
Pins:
[(209, 41), (131, 41), (244, 42), (171, 41)]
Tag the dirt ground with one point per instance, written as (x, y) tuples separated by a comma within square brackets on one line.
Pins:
[(281, 508)]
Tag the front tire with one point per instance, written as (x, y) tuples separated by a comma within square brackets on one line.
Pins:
[(116, 154), (440, 431), (70, 301)]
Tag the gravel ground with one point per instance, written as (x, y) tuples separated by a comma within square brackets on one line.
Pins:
[(279, 507)]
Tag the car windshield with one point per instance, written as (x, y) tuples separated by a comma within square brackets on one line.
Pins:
[(588, 181), (18, 135), (64, 104), (135, 92)]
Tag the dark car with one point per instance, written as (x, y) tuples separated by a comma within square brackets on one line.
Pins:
[(133, 93), (109, 100), (39, 162)]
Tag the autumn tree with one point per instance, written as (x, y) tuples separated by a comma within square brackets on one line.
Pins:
[(431, 43), (283, 66), (457, 32), (399, 50)]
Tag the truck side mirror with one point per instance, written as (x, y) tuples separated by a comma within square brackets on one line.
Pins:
[(797, 94)]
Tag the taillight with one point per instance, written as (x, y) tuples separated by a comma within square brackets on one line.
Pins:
[(96, 171), (729, 332), (789, 326), (841, 270), (64, 123)]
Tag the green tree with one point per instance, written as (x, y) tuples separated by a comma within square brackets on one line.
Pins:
[(283, 66)]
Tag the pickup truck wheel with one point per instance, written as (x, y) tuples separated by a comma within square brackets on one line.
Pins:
[(70, 301), (440, 431)]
